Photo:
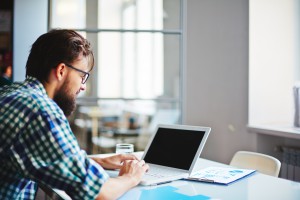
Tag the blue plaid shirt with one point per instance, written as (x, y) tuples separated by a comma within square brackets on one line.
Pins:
[(38, 146)]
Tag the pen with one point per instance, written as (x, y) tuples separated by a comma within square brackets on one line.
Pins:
[(202, 179), (161, 183)]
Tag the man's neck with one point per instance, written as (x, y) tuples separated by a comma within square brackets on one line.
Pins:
[(50, 89)]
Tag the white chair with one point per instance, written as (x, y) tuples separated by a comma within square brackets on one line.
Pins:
[(162, 116), (45, 192), (262, 163)]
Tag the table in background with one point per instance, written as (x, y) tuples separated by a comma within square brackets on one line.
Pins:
[(101, 136)]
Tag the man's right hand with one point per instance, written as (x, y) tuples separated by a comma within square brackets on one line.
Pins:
[(134, 169), (130, 175)]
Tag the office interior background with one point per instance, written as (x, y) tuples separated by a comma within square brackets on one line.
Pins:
[(230, 65)]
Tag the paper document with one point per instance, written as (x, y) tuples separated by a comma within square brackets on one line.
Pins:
[(220, 175)]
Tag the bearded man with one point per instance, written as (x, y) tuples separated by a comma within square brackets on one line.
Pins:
[(37, 145)]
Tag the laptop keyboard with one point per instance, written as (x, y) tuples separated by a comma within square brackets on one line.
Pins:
[(160, 172)]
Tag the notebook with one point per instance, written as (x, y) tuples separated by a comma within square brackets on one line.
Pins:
[(172, 152)]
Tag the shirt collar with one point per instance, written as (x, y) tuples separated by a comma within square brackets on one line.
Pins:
[(34, 83)]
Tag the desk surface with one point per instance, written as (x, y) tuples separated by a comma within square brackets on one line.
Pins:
[(254, 187)]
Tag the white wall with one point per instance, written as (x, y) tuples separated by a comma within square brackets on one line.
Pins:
[(274, 60), (217, 75), (29, 23)]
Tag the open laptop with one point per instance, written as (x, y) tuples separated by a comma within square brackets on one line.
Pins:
[(172, 152)]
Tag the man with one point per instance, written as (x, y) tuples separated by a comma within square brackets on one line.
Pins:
[(37, 145), (6, 72)]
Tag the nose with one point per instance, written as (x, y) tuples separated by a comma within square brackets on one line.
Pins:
[(83, 87)]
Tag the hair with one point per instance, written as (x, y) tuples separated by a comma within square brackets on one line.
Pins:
[(55, 47)]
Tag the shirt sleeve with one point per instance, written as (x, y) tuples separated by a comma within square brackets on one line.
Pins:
[(47, 151)]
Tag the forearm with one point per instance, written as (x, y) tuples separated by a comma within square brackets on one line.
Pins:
[(131, 172), (113, 188), (113, 162)]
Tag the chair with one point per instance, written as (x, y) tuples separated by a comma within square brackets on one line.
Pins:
[(139, 137), (162, 116), (262, 163), (51, 193)]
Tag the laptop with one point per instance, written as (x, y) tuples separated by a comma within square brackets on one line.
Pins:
[(172, 152)]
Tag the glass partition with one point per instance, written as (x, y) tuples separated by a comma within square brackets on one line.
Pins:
[(138, 63), (116, 14)]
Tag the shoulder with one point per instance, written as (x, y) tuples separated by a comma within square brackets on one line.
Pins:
[(29, 99)]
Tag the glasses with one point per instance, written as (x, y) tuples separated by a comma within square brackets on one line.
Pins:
[(86, 74)]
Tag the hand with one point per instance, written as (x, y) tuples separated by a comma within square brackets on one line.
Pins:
[(114, 162), (134, 169), (130, 175)]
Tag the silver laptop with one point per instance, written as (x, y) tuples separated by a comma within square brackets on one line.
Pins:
[(172, 152)]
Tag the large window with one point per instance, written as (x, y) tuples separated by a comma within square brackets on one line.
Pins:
[(138, 49)]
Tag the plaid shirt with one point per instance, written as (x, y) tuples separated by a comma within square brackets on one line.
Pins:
[(38, 146)]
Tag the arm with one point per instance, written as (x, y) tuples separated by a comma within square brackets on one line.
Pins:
[(53, 157), (129, 176), (114, 162)]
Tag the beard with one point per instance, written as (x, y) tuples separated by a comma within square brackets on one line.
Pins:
[(65, 100)]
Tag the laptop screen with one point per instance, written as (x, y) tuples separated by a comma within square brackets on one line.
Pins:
[(174, 147)]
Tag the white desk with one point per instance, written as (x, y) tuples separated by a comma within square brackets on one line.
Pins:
[(255, 187)]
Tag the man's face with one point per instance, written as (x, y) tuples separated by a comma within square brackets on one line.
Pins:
[(65, 97)]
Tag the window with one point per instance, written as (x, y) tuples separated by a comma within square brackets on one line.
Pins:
[(137, 46)]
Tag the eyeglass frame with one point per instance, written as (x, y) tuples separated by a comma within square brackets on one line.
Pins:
[(86, 74)]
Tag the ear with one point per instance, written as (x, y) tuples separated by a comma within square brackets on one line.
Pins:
[(60, 71)]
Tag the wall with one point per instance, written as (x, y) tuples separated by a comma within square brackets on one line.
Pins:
[(26, 30), (216, 84), (273, 60)]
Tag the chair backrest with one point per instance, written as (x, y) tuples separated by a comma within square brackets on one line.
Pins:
[(52, 193), (163, 116), (262, 163)]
